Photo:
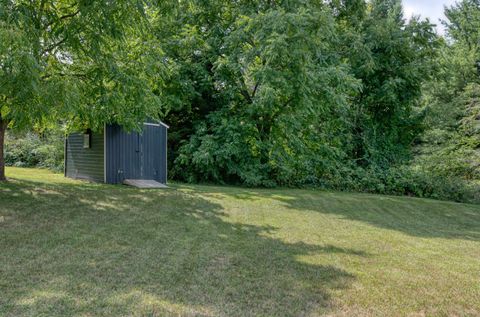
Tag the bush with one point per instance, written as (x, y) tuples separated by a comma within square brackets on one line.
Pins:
[(404, 180), (31, 150)]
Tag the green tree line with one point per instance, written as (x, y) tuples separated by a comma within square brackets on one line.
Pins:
[(343, 94)]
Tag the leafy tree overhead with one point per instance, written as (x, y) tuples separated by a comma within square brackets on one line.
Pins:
[(277, 73), (393, 59), (254, 79), (451, 144), (75, 60), (288, 92)]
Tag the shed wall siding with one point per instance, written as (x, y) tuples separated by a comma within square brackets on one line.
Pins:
[(85, 163), (136, 155), (162, 177), (120, 151)]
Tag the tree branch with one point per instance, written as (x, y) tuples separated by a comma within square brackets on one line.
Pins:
[(71, 15), (245, 93), (63, 17), (53, 46), (77, 75), (255, 89)]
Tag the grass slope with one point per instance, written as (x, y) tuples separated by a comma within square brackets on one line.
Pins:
[(74, 248)]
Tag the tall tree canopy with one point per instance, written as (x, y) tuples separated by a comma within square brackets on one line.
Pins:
[(286, 92), (394, 60), (451, 144), (78, 60)]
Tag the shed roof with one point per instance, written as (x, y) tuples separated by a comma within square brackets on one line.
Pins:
[(158, 124)]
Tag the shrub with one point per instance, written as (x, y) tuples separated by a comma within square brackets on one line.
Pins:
[(31, 150), (404, 180)]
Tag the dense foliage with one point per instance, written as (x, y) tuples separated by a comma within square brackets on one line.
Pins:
[(73, 60), (450, 145), (292, 92), (35, 150), (343, 94), (333, 95)]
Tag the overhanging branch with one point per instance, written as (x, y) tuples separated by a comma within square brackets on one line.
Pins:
[(53, 46)]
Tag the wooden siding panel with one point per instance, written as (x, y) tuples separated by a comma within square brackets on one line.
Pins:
[(85, 163)]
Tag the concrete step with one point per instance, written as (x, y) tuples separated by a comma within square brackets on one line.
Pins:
[(144, 183)]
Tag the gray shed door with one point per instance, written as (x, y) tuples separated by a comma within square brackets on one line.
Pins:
[(136, 155), (150, 152), (143, 157), (133, 156)]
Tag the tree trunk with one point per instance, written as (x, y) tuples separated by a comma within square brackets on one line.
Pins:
[(3, 127)]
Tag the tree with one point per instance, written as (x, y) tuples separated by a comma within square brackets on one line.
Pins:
[(288, 92), (258, 83), (450, 146), (392, 59), (81, 61)]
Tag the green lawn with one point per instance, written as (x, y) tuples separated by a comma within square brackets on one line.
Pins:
[(74, 248)]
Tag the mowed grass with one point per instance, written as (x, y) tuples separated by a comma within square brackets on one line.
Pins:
[(71, 248)]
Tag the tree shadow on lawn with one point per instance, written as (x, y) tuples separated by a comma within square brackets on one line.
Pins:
[(92, 249), (413, 216)]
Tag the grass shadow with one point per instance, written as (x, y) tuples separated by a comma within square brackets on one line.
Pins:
[(89, 249), (413, 216)]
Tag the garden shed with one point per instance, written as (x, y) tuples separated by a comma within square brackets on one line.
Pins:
[(115, 155)]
